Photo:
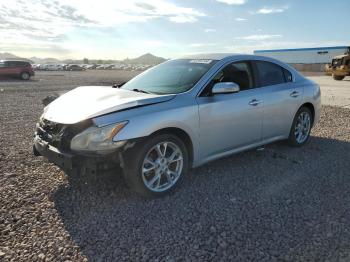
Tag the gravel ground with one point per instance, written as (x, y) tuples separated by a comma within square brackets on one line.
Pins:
[(335, 93), (281, 203)]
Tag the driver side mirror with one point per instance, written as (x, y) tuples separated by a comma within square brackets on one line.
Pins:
[(225, 88)]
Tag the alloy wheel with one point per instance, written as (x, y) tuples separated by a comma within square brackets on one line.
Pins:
[(302, 127), (25, 76), (162, 166)]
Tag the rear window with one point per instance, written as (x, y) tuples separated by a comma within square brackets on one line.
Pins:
[(287, 75), (17, 63), (270, 73)]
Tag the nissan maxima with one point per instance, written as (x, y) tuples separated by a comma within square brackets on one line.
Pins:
[(178, 115)]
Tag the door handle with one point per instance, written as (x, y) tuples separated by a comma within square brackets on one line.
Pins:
[(254, 102), (294, 94)]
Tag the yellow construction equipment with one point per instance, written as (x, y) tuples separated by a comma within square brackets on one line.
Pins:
[(340, 67)]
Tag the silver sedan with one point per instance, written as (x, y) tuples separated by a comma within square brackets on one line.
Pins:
[(180, 114)]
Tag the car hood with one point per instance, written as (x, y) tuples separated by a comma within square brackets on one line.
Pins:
[(87, 102)]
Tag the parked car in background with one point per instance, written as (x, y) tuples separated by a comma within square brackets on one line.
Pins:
[(42, 67), (36, 66), (99, 67), (105, 67), (179, 114), (92, 67), (54, 67), (75, 68), (16, 68)]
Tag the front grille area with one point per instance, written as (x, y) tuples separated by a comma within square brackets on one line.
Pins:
[(50, 132), (59, 135)]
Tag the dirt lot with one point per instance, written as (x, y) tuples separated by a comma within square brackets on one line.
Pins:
[(335, 93), (279, 204)]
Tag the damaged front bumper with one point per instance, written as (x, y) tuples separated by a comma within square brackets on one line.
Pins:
[(52, 141), (72, 160), (62, 159)]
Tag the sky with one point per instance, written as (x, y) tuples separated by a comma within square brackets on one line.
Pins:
[(116, 29)]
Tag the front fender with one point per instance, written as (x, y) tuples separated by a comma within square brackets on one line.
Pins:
[(142, 122)]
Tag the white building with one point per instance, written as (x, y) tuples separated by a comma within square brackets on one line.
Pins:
[(317, 55)]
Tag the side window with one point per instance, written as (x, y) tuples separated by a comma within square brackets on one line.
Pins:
[(270, 73), (7, 64), (287, 75), (239, 73), (21, 64), (2, 64), (11, 64)]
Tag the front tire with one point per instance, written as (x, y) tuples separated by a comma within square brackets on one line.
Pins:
[(301, 127), (157, 166), (338, 78), (25, 76)]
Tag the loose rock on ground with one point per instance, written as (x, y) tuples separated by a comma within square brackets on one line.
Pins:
[(276, 204)]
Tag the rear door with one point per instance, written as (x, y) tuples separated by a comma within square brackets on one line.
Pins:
[(13, 68), (230, 121), (282, 98)]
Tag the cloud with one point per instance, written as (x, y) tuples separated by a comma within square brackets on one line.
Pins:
[(209, 30), (199, 45), (258, 37), (152, 43), (232, 2), (271, 10), (40, 23), (183, 19), (146, 6), (113, 13), (239, 19)]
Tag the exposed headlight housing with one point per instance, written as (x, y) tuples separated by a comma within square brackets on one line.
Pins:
[(98, 139)]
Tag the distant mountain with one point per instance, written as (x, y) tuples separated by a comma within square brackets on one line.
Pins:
[(49, 60), (9, 56), (148, 59)]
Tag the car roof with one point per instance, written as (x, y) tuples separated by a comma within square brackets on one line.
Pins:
[(229, 56), (232, 56), (9, 60), (211, 56)]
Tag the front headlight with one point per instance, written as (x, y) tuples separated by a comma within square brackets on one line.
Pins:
[(98, 139)]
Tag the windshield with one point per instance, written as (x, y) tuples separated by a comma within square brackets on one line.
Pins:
[(172, 77), (337, 62)]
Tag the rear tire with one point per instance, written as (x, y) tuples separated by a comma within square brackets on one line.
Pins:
[(156, 166), (301, 127), (338, 78), (25, 76)]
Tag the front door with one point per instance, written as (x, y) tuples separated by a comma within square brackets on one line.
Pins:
[(230, 121)]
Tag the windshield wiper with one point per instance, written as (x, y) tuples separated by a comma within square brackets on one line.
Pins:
[(115, 85), (140, 91)]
